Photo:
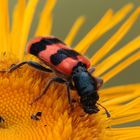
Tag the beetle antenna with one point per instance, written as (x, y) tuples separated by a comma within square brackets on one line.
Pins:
[(106, 111)]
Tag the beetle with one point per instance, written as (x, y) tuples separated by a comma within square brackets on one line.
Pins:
[(70, 67)]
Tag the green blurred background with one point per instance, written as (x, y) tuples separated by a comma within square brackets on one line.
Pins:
[(67, 11)]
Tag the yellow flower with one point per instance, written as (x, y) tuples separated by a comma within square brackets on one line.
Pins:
[(19, 88)]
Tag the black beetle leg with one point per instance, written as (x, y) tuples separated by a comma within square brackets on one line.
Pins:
[(68, 91), (30, 63), (69, 95), (55, 79)]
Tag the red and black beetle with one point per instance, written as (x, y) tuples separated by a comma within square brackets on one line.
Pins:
[(70, 67)]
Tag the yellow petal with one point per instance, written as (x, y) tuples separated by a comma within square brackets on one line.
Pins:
[(121, 66), (45, 22), (127, 133), (106, 23), (126, 119), (110, 44), (4, 25), (109, 95), (17, 20), (89, 38), (74, 30), (126, 107), (118, 16), (117, 56), (121, 98), (123, 89), (28, 17)]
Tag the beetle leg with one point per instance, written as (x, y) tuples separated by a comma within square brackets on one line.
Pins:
[(68, 91), (59, 80), (99, 82), (69, 96), (30, 63), (55, 79), (91, 70), (72, 87)]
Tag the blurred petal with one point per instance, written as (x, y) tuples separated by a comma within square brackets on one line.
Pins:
[(110, 44), (45, 23), (17, 22), (117, 56), (74, 30), (106, 23), (28, 17), (4, 25), (93, 32), (121, 66)]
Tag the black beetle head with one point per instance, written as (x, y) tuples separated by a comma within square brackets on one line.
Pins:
[(89, 103)]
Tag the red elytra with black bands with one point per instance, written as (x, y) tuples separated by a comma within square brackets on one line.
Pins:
[(56, 54)]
